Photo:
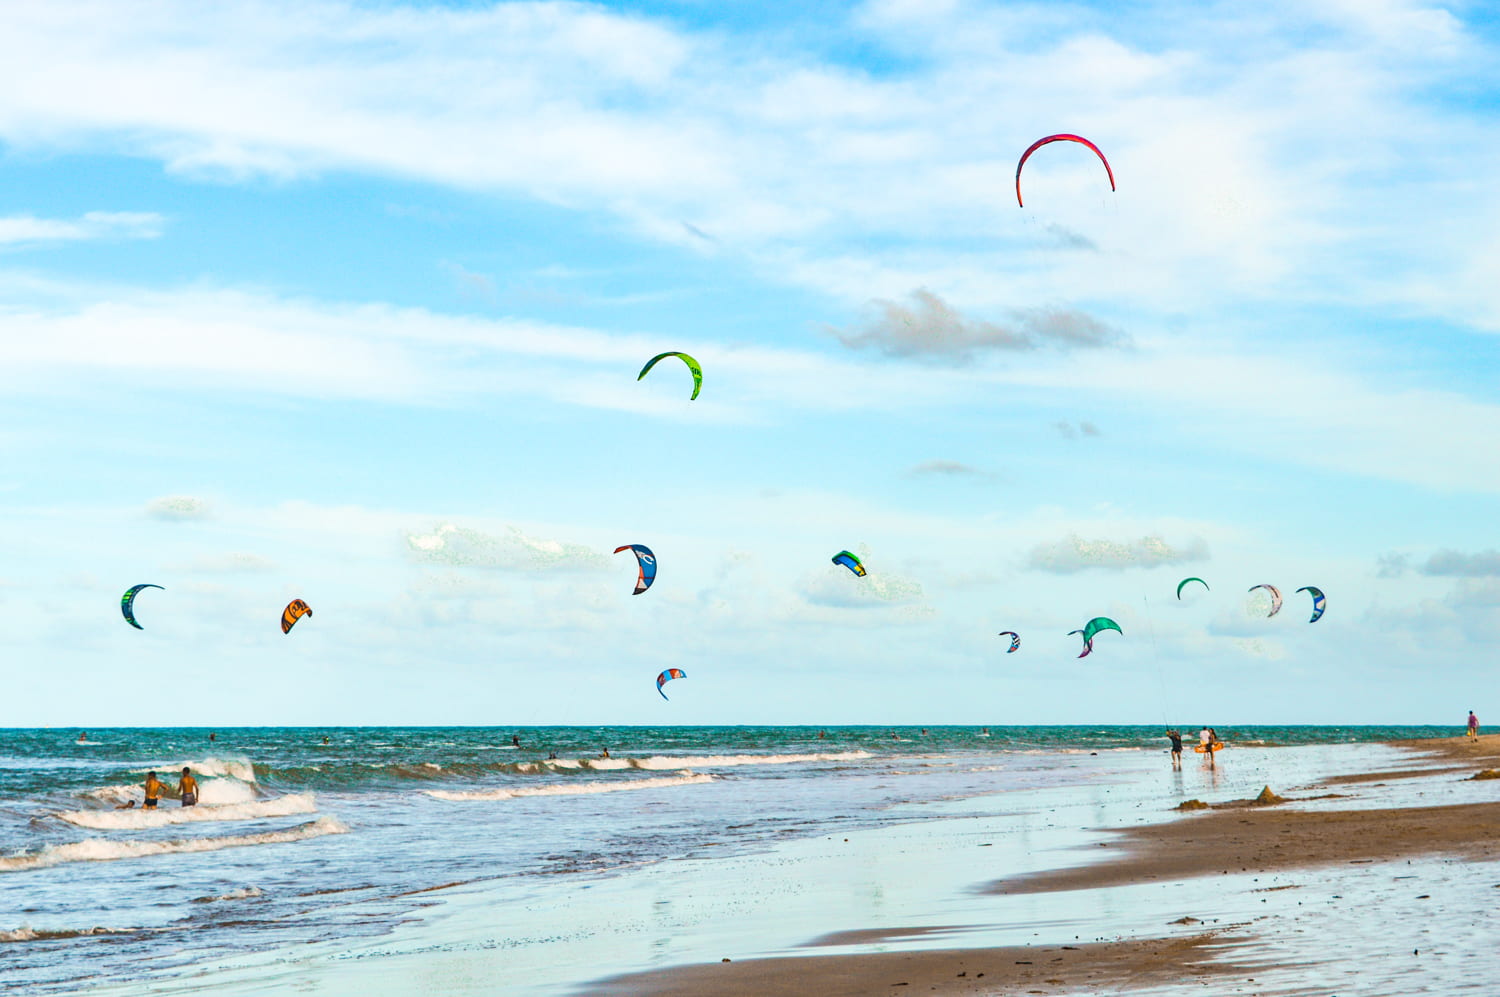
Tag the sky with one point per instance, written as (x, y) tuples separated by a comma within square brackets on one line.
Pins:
[(346, 302)]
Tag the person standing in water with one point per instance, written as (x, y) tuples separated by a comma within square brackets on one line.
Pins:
[(1473, 726), (1176, 736), (187, 786), (154, 789)]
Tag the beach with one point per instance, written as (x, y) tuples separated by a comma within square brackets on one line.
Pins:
[(727, 861)]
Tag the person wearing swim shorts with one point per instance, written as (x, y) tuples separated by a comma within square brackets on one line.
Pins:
[(154, 789), (1176, 736), (188, 787)]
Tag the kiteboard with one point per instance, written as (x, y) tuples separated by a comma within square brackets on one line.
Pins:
[(1204, 748)]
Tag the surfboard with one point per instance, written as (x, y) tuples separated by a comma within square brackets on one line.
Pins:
[(1201, 749)]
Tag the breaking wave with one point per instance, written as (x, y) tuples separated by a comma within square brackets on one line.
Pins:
[(573, 789), (113, 820), (104, 850)]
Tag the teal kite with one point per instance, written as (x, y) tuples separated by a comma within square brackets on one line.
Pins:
[(692, 366), (127, 603), (1185, 581), (1093, 627)]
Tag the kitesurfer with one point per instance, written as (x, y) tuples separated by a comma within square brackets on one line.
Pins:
[(1176, 736), (515, 740), (187, 786), (1473, 726), (154, 788)]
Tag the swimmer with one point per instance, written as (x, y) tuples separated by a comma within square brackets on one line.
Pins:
[(127, 805), (187, 786), (154, 788), (212, 736)]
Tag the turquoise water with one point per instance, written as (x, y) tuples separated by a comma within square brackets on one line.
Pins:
[(320, 833)]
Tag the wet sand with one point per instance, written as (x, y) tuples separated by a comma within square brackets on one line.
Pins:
[(1234, 838), (1050, 969)]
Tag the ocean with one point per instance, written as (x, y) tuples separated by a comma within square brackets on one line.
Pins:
[(327, 835)]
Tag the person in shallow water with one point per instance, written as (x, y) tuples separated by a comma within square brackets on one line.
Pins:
[(154, 788), (1176, 737), (515, 739), (188, 787)]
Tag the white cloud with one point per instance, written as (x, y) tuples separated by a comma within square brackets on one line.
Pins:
[(26, 230), (513, 550), (1077, 554), (178, 507)]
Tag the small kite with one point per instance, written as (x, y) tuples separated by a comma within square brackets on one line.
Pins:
[(1320, 601), (849, 561), (127, 603), (647, 562), (667, 676), (1015, 640), (1185, 581), (692, 366), (1275, 598), (1060, 138), (294, 611)]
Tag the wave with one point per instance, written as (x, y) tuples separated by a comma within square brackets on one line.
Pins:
[(33, 935), (243, 893), (111, 820), (574, 789), (656, 762), (104, 850)]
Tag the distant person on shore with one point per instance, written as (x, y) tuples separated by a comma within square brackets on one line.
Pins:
[(187, 786), (1473, 726), (154, 788), (1176, 736), (1206, 739)]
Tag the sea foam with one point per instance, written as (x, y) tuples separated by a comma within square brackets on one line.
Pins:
[(571, 789), (111, 820), (104, 850)]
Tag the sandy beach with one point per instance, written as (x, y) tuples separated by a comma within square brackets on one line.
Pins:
[(1255, 843)]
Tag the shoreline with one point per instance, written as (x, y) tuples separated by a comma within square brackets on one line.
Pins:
[(1233, 838)]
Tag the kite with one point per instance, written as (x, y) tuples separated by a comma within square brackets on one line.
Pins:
[(1093, 627), (667, 676), (1185, 581), (849, 561), (127, 603), (692, 366), (1275, 598), (294, 611), (647, 562), (1015, 640), (1319, 601), (1060, 138)]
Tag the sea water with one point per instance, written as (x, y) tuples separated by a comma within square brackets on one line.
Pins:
[(328, 834)]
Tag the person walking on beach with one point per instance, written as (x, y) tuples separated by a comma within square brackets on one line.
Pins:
[(154, 789), (1206, 739), (1473, 726), (1176, 736), (187, 787)]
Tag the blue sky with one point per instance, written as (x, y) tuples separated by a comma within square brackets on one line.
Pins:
[(347, 301)]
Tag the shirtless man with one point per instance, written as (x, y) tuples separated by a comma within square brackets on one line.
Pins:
[(188, 787), (154, 789)]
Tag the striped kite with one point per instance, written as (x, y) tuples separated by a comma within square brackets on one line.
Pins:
[(127, 603), (294, 611), (1275, 598), (1015, 640)]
